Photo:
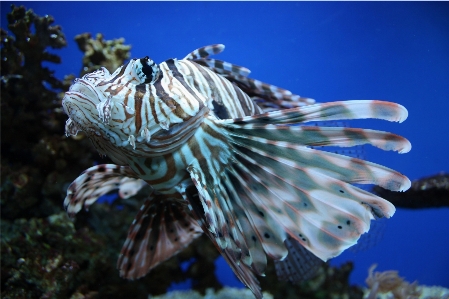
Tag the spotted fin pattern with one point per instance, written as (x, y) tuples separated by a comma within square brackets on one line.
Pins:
[(264, 188), (273, 187)]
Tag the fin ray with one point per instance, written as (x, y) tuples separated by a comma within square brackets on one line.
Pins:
[(160, 230), (355, 109), (322, 136), (93, 183)]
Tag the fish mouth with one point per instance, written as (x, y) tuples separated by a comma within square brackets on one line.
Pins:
[(71, 128), (81, 110), (80, 104)]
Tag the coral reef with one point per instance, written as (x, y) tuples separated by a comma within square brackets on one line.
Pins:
[(43, 258), (389, 285), (35, 154), (328, 283), (46, 255), (428, 192)]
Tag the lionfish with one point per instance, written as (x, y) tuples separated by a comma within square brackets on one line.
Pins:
[(229, 156)]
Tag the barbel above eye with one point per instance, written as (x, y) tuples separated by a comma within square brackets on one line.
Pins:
[(147, 70)]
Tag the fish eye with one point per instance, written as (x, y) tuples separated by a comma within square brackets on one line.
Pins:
[(147, 70)]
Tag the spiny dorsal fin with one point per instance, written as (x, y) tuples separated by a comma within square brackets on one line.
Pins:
[(267, 96), (205, 51)]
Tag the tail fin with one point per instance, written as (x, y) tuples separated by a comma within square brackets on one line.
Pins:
[(268, 185)]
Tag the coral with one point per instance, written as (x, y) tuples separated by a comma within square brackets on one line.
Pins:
[(43, 258), (225, 293), (44, 254), (34, 152), (101, 53), (433, 292), (428, 192), (329, 282), (22, 57), (389, 285)]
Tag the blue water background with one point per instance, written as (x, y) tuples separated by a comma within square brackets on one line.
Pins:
[(396, 51)]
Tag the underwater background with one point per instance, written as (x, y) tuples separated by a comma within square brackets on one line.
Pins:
[(395, 51)]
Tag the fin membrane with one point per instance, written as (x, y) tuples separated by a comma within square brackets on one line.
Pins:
[(268, 193), (267, 96), (161, 229), (97, 181)]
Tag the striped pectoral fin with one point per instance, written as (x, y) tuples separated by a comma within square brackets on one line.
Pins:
[(221, 220), (217, 210), (356, 109), (93, 183), (304, 168), (160, 230), (322, 136), (305, 193), (325, 215), (276, 152)]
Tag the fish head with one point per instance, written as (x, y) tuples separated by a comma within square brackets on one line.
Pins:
[(101, 104)]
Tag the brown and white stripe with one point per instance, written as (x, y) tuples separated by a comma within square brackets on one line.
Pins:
[(220, 155)]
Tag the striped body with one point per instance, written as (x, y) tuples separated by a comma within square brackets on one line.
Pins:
[(147, 114), (215, 159)]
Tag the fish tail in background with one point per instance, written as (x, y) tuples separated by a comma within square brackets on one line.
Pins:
[(264, 184)]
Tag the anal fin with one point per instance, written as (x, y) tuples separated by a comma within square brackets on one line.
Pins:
[(161, 229)]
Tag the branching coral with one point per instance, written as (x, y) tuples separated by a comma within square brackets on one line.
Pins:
[(45, 255), (32, 120)]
